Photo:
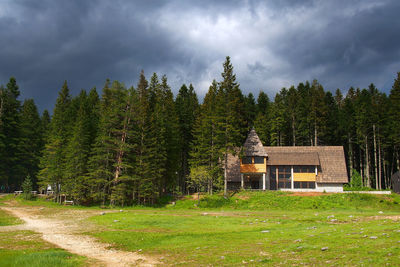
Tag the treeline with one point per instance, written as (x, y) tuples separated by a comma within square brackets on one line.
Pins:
[(133, 145)]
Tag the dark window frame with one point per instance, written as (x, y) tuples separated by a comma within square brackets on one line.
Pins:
[(245, 160), (259, 160)]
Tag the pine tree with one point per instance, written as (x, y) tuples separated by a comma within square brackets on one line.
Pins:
[(79, 148), (231, 128), (394, 114), (144, 156), (53, 159), (278, 120), (250, 110), (305, 132), (318, 111), (108, 161), (292, 112), (205, 151), (262, 120), (186, 104), (31, 141), (170, 136), (10, 133)]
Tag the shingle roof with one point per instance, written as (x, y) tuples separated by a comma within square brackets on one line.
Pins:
[(331, 158), (253, 146), (286, 158)]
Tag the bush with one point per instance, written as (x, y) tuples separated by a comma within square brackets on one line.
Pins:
[(27, 187), (356, 181)]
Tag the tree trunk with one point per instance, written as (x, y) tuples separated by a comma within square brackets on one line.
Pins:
[(361, 167), (350, 154), (379, 164), (375, 160), (398, 159), (294, 131), (226, 174), (385, 170), (368, 184), (315, 134)]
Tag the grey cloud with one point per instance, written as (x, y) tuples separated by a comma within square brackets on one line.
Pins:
[(272, 45)]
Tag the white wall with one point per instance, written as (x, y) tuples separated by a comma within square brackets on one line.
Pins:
[(329, 187), (320, 187)]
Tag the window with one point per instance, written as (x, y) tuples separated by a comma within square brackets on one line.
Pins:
[(284, 174), (246, 160), (308, 185), (258, 160), (304, 169)]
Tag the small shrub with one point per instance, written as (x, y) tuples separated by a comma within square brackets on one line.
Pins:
[(27, 187), (356, 180)]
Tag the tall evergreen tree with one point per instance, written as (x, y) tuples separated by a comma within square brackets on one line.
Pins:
[(79, 148), (205, 150), (11, 170), (394, 112), (262, 120), (186, 104), (53, 159), (171, 136), (31, 141), (250, 110), (231, 128)]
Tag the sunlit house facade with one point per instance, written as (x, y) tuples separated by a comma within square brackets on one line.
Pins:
[(289, 168)]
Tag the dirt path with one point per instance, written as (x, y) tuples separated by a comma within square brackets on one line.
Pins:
[(65, 234)]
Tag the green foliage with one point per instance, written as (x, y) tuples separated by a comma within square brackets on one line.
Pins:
[(355, 180), (138, 145), (27, 187)]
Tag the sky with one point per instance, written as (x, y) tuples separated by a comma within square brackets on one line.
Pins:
[(272, 44)]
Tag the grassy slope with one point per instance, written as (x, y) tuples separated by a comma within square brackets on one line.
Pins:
[(229, 232)]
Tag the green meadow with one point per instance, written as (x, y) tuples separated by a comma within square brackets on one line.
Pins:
[(248, 228), (26, 248)]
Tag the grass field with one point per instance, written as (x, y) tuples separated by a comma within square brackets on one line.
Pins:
[(252, 228), (26, 248)]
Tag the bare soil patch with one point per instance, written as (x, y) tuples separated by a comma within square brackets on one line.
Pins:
[(65, 230), (389, 217)]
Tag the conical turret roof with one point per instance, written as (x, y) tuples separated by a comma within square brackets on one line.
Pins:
[(253, 145)]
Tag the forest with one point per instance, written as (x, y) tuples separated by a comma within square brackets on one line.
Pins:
[(135, 145)]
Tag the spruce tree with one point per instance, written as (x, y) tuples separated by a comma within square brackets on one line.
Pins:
[(231, 129), (31, 141), (10, 133), (108, 161), (54, 156), (186, 104), (278, 119), (394, 114), (79, 148), (205, 151), (250, 110), (171, 137), (262, 120)]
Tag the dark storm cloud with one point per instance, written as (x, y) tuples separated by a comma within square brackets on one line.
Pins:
[(272, 45)]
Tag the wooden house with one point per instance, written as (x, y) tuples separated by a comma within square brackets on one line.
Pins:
[(288, 168)]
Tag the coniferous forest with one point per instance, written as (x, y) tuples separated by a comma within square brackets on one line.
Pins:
[(133, 145)]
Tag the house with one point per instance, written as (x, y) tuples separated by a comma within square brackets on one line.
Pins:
[(287, 168)]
